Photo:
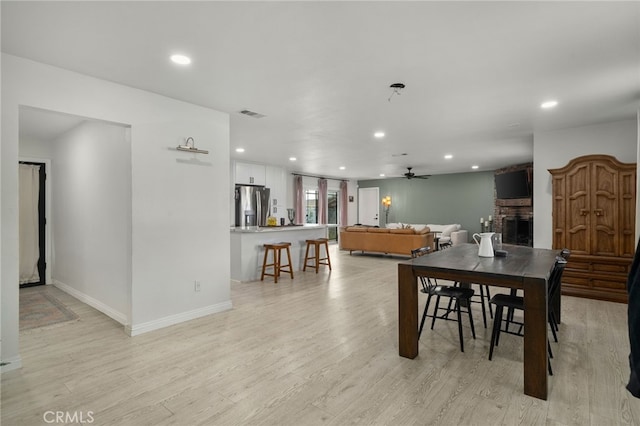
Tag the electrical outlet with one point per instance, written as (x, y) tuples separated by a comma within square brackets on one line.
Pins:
[(196, 286)]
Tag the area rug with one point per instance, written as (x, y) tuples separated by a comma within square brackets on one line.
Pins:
[(40, 309)]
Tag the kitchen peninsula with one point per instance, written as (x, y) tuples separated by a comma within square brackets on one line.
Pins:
[(247, 251)]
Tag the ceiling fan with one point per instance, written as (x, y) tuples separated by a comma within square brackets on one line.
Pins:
[(411, 175)]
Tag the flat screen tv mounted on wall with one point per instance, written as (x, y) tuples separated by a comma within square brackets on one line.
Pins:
[(513, 185)]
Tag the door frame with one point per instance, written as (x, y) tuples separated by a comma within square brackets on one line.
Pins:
[(47, 215)]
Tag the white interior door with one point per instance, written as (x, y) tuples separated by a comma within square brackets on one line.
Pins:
[(369, 206)]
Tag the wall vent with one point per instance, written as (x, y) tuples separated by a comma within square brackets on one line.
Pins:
[(252, 114)]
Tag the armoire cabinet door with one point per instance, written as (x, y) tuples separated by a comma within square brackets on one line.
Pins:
[(604, 211), (627, 202), (578, 218)]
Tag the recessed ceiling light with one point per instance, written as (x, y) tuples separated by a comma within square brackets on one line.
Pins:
[(181, 59), (381, 174), (292, 158), (342, 167), (239, 149), (379, 135), (474, 167), (548, 104), (448, 157)]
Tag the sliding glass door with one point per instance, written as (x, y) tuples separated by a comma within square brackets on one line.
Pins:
[(333, 210), (333, 214)]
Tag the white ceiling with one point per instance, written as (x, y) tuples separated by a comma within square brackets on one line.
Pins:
[(475, 72)]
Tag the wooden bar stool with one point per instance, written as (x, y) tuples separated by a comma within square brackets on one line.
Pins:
[(278, 267), (316, 254)]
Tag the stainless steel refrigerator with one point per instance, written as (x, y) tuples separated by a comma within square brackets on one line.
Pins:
[(252, 205)]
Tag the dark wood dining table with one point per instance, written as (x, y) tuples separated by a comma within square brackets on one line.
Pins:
[(523, 268)]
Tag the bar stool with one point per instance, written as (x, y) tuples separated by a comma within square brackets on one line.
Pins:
[(278, 267), (317, 260)]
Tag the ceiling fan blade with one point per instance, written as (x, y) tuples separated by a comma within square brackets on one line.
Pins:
[(410, 175)]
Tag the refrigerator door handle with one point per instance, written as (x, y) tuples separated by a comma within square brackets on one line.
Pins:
[(258, 208)]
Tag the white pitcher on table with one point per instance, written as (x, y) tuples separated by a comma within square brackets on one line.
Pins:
[(485, 248)]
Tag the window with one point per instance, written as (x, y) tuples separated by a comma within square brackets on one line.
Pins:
[(311, 206)]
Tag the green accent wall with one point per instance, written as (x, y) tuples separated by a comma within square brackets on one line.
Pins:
[(453, 198)]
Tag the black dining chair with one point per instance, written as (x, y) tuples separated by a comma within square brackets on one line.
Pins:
[(455, 294), (565, 253), (554, 294), (513, 302), (483, 299)]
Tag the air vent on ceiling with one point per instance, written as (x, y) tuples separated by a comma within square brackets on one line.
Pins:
[(252, 114)]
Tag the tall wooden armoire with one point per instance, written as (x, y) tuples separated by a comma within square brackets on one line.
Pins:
[(594, 204)]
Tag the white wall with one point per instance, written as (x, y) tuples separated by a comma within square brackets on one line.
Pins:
[(35, 148), (91, 216), (179, 229), (352, 214), (556, 148)]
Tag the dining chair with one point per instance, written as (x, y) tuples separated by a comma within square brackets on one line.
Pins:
[(483, 299), (514, 302), (555, 293), (454, 294), (565, 253)]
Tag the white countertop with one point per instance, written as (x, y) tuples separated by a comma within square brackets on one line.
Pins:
[(253, 229)]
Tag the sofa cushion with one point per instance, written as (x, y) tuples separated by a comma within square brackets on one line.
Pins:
[(402, 231), (379, 230), (393, 225), (424, 230), (356, 229), (419, 227)]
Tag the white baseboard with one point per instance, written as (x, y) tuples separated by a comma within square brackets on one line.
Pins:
[(11, 364), (96, 304), (134, 330)]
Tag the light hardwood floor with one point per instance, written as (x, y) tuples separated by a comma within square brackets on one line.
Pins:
[(319, 349)]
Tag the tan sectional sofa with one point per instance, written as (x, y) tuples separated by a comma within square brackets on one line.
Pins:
[(384, 240)]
